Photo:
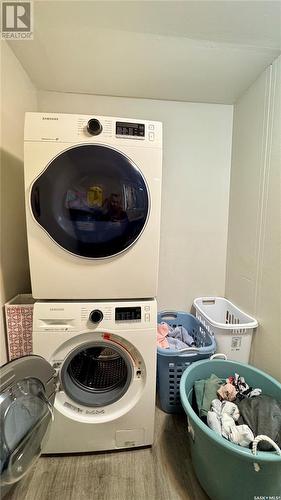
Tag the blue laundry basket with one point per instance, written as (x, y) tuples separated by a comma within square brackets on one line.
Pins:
[(172, 363), (226, 470)]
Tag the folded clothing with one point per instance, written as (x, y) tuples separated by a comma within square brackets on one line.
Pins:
[(205, 392), (173, 337), (263, 415), (222, 419)]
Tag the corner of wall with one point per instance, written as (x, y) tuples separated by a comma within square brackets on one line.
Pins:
[(254, 216), (18, 95)]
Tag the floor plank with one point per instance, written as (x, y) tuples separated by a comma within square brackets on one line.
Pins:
[(163, 472)]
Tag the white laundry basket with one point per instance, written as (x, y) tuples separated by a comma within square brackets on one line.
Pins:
[(232, 328)]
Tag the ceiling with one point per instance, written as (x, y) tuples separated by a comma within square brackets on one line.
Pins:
[(206, 51)]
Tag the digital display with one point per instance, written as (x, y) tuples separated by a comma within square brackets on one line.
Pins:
[(127, 313), (130, 129)]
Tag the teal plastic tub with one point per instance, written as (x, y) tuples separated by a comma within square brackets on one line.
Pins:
[(227, 471)]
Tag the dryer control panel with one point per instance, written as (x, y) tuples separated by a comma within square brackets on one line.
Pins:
[(106, 130), (130, 129)]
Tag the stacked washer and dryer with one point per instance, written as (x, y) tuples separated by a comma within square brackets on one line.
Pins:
[(93, 192)]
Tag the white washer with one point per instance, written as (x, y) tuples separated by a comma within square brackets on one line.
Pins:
[(93, 189), (104, 355), (90, 385)]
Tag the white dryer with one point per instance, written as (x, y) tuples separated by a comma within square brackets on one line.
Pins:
[(97, 380), (93, 188)]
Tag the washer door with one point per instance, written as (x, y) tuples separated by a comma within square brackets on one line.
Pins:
[(97, 374), (91, 200), (26, 399)]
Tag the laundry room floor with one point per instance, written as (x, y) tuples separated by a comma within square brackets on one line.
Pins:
[(163, 472)]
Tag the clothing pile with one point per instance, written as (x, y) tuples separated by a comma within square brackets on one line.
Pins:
[(238, 412), (177, 337)]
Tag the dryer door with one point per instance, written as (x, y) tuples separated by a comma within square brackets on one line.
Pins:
[(92, 200), (27, 393)]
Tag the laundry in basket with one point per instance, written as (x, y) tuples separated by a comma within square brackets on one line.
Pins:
[(172, 363), (226, 470)]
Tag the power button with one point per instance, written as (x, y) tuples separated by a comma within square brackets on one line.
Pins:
[(151, 136), (147, 317)]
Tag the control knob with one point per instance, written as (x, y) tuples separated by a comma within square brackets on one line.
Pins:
[(96, 316), (94, 127)]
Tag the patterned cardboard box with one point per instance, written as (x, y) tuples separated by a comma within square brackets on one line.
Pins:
[(19, 316)]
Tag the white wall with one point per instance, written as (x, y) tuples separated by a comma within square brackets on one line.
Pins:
[(196, 172), (253, 279), (195, 51), (17, 96)]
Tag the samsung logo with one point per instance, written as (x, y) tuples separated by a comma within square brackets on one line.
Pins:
[(48, 118), (56, 308)]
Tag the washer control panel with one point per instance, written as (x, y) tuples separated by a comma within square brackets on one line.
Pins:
[(127, 313), (94, 316)]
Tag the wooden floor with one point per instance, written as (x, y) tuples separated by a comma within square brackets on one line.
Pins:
[(163, 472)]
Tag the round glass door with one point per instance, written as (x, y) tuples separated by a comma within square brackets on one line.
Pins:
[(96, 375), (91, 200), (25, 415)]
